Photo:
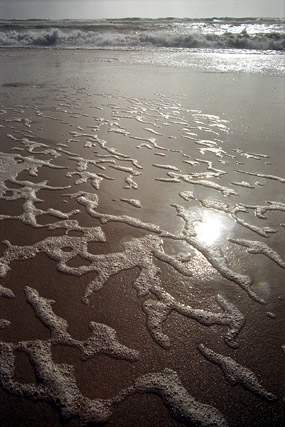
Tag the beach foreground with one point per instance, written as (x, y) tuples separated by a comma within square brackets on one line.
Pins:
[(142, 229)]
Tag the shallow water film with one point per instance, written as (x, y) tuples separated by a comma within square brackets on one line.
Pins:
[(142, 259)]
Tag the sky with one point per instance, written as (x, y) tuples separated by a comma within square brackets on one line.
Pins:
[(96, 9)]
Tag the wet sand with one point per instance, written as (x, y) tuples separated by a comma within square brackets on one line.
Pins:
[(142, 255)]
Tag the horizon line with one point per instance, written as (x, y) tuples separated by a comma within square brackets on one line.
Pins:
[(142, 18)]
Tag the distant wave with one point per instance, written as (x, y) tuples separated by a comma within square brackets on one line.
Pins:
[(224, 41), (137, 33)]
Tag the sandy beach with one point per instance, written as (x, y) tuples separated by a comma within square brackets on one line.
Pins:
[(142, 241)]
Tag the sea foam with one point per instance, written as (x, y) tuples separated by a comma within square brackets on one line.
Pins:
[(160, 33)]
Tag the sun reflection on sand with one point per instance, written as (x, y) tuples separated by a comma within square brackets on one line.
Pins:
[(210, 229)]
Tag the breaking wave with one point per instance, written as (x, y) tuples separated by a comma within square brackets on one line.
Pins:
[(137, 33)]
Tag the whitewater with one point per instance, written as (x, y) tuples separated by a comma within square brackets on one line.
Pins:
[(135, 33)]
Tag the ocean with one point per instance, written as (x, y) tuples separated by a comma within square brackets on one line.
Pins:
[(142, 223), (220, 45), (227, 33)]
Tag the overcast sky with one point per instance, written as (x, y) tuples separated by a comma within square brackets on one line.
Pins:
[(82, 9)]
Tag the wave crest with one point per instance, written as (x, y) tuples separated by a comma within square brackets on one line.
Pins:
[(167, 34)]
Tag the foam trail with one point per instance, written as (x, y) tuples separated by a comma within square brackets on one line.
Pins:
[(272, 206), (243, 184), (262, 231), (169, 167), (30, 212), (182, 406), (103, 339), (205, 183), (133, 202), (256, 247), (134, 222), (6, 292), (43, 310), (187, 195), (158, 312), (57, 383), (11, 165), (218, 261), (236, 373), (214, 256), (233, 211), (85, 176), (4, 323), (130, 183), (263, 175), (53, 247)]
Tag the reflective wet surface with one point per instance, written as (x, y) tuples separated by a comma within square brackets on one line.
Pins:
[(142, 256)]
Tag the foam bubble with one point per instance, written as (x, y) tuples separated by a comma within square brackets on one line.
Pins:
[(153, 131), (187, 195), (169, 167), (4, 323), (133, 202), (243, 184), (5, 292)]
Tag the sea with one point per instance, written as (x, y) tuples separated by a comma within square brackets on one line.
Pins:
[(232, 39)]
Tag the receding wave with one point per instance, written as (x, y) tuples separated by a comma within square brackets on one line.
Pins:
[(167, 33)]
